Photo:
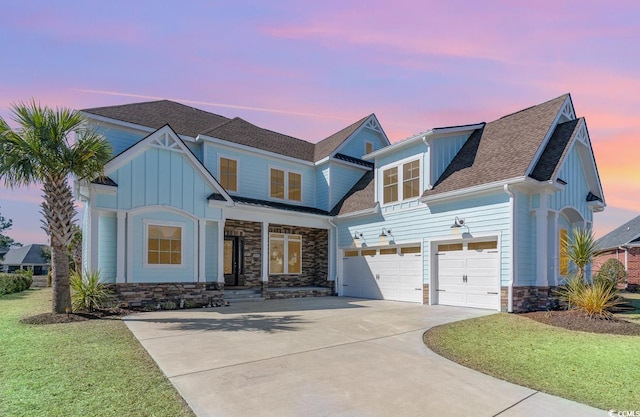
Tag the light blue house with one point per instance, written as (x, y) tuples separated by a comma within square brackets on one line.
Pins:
[(196, 206)]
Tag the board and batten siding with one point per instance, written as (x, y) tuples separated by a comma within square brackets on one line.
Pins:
[(159, 177), (525, 240), (107, 247), (323, 181), (486, 216), (576, 190), (355, 147), (120, 139), (162, 273), (254, 176), (343, 178), (443, 150)]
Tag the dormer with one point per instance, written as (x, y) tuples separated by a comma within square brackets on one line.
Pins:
[(407, 168)]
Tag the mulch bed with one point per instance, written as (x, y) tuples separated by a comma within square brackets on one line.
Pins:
[(53, 318), (576, 320)]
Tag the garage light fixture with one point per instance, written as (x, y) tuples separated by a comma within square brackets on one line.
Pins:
[(385, 233), (458, 223), (357, 235)]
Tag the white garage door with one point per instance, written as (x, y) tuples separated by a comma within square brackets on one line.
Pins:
[(384, 273), (468, 274)]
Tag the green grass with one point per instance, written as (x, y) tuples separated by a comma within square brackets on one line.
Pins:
[(634, 300), (91, 368), (595, 369)]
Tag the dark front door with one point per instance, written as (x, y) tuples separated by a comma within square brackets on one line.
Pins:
[(233, 265)]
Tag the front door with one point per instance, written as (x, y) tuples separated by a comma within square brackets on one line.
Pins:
[(233, 250)]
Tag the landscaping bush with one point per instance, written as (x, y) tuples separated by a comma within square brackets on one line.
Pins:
[(612, 273), (87, 292), (12, 283)]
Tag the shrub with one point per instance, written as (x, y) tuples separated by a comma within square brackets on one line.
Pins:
[(595, 300), (12, 283), (169, 305), (612, 273), (88, 292)]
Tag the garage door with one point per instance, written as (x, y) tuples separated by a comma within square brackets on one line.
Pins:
[(383, 273), (468, 274)]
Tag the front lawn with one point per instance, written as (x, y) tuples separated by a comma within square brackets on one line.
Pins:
[(90, 368), (600, 370), (634, 301)]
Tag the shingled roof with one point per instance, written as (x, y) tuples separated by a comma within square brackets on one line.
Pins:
[(549, 163), (189, 121), (185, 120), (326, 146), (503, 149), (242, 132), (360, 197), (26, 255), (628, 233)]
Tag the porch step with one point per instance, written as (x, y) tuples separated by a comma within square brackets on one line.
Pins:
[(242, 295)]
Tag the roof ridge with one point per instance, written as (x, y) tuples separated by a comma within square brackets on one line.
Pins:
[(532, 107)]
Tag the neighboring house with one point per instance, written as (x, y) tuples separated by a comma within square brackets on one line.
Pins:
[(28, 257), (194, 204), (622, 244)]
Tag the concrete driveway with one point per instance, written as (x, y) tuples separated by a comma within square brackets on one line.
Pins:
[(327, 356)]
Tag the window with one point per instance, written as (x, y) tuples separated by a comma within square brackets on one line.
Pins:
[(564, 258), (450, 247), (295, 186), (285, 253), (164, 245), (410, 249), (408, 176), (285, 184), (482, 245), (368, 252), (350, 253), (388, 251), (411, 179), (390, 184), (229, 174), (277, 183), (368, 147)]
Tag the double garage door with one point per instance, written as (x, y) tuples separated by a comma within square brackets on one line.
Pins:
[(468, 274), (390, 273)]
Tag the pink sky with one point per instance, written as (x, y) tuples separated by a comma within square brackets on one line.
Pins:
[(309, 70)]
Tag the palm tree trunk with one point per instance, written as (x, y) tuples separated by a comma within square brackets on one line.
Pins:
[(58, 212), (61, 299)]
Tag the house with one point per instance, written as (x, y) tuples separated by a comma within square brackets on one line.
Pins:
[(29, 257), (197, 206), (623, 244)]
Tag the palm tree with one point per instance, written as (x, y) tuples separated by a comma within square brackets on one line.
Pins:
[(47, 148), (581, 249)]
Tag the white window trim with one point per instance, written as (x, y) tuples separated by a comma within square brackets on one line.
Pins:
[(220, 156), (151, 222), (399, 165), (286, 184), (285, 239)]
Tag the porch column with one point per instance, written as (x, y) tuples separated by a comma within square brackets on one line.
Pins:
[(541, 248), (93, 246), (265, 253), (332, 258), (202, 226), (221, 251), (120, 255), (555, 255)]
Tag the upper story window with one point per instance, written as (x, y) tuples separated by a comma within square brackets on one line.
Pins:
[(229, 174), (285, 184), (407, 174), (368, 147)]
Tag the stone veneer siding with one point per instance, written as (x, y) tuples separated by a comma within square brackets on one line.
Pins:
[(531, 299), (142, 294), (425, 293), (252, 234), (315, 263), (633, 264), (283, 293)]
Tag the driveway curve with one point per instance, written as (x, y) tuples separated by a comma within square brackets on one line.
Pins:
[(327, 356)]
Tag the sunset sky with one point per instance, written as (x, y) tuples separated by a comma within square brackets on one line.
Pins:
[(308, 69)]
